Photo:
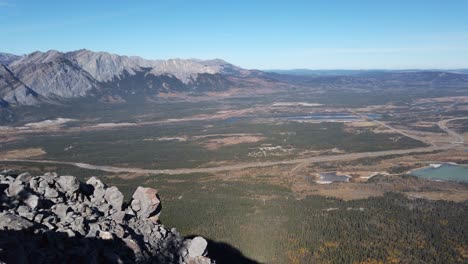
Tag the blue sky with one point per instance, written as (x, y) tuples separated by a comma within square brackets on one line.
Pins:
[(253, 34)]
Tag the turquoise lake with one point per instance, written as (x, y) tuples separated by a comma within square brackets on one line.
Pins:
[(446, 172)]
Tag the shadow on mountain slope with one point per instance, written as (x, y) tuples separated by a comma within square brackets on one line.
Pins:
[(24, 246)]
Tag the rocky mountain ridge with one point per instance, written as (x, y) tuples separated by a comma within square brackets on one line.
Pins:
[(7, 58), (57, 219), (51, 75)]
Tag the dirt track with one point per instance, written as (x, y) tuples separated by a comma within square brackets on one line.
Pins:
[(458, 139)]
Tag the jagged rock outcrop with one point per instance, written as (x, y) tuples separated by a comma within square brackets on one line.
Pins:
[(57, 219)]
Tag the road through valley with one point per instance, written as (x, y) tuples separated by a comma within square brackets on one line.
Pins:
[(457, 141)]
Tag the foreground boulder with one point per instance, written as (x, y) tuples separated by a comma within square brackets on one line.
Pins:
[(57, 219), (146, 203)]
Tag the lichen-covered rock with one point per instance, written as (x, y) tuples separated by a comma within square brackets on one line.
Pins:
[(51, 218)]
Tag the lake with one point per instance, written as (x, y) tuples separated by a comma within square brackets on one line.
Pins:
[(331, 177), (445, 172)]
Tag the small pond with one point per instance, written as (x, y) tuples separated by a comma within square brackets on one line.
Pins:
[(331, 177), (444, 172)]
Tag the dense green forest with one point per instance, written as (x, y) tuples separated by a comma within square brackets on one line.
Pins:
[(269, 224)]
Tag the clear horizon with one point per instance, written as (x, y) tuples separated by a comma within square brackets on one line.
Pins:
[(323, 35)]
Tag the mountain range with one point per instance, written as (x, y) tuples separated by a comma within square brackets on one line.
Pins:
[(364, 72), (52, 76), (48, 76)]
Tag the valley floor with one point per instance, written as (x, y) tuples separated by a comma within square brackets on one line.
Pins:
[(247, 172)]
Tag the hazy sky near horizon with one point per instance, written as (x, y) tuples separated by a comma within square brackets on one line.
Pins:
[(258, 34)]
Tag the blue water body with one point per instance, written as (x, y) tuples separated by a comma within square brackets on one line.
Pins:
[(446, 172), (333, 177), (235, 119), (231, 120), (374, 116)]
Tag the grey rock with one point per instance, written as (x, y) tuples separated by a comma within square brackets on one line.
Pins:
[(104, 208), (25, 212), (104, 226), (50, 219), (38, 218), (197, 247), (135, 204), (68, 184), (61, 210), (93, 230), (43, 184), (50, 226), (67, 219), (24, 177), (118, 217), (32, 201), (199, 260), (49, 177), (38, 203), (99, 190), (15, 188), (10, 221), (105, 235), (147, 227), (145, 202), (163, 232), (158, 235), (33, 184), (50, 193), (114, 197), (98, 196), (129, 211), (70, 233), (96, 183), (86, 211)]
